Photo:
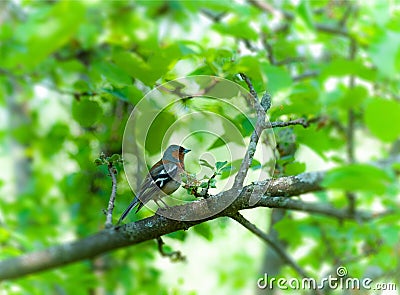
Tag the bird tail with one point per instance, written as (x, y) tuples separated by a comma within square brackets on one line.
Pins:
[(131, 205)]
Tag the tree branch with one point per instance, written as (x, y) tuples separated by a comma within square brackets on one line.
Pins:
[(346, 15), (268, 8), (329, 29), (305, 75), (300, 121), (318, 208), (271, 242), (158, 225), (145, 229), (113, 172), (174, 255), (215, 17), (255, 136), (351, 197)]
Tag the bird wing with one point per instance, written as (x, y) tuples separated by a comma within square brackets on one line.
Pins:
[(156, 181), (167, 173), (159, 176)]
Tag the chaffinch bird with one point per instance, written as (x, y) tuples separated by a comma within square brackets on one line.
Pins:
[(163, 179)]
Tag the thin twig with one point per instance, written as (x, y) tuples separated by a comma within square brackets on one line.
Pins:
[(300, 121), (329, 250), (329, 29), (215, 17), (351, 116), (351, 197), (112, 171), (267, 46), (174, 255), (271, 242), (250, 85), (204, 192), (305, 75), (270, 54), (346, 15), (255, 136), (290, 60), (318, 208), (350, 136), (268, 8), (261, 109), (248, 45)]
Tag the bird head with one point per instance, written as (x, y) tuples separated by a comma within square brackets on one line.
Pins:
[(175, 153)]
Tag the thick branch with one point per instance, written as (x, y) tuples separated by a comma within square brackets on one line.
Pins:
[(158, 225), (145, 229)]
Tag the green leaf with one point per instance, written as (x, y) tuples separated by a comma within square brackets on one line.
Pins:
[(113, 73), (86, 112), (4, 235), (132, 64), (189, 47), (178, 235), (232, 166), (382, 118), (237, 28), (357, 177), (227, 169), (385, 51), (288, 230), (206, 164), (128, 93), (54, 140), (249, 65), (116, 93), (245, 124), (353, 97), (204, 184), (219, 165), (115, 157), (390, 234), (295, 168), (319, 140), (217, 143), (344, 67), (157, 131), (278, 78), (304, 100), (184, 177), (305, 13), (396, 167), (213, 183), (255, 165), (44, 32), (204, 230)]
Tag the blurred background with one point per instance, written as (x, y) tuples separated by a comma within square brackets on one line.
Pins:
[(71, 72)]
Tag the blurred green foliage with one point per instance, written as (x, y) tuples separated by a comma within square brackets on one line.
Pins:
[(72, 71)]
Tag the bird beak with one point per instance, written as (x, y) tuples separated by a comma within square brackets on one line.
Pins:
[(186, 151)]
